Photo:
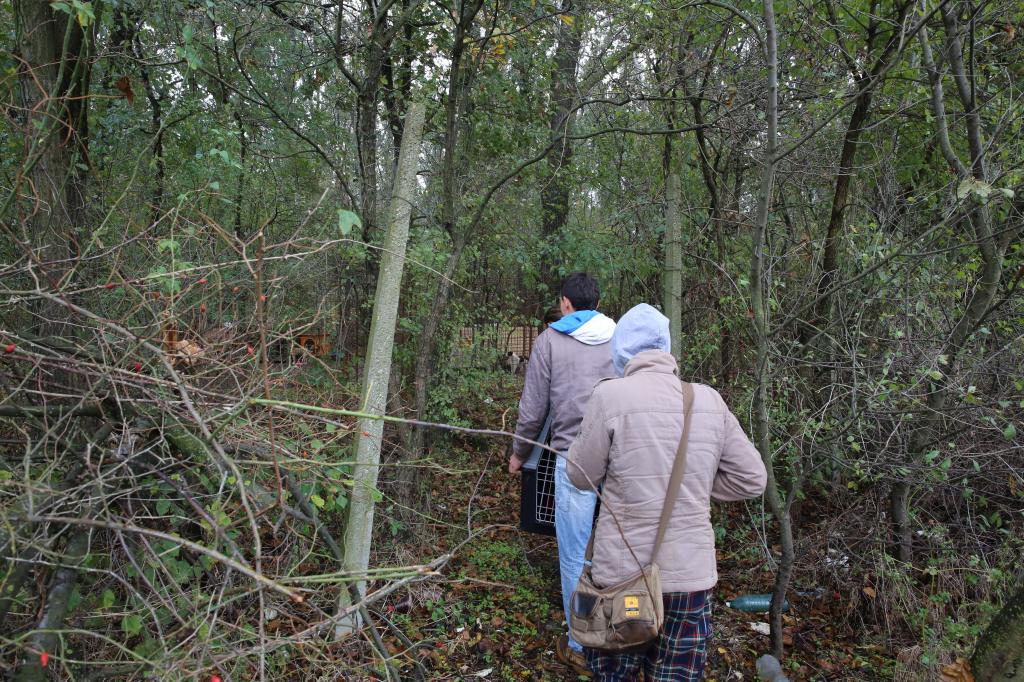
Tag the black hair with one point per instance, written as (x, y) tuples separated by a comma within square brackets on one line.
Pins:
[(552, 315), (581, 290)]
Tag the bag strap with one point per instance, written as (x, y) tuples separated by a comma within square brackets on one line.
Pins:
[(678, 469), (674, 483)]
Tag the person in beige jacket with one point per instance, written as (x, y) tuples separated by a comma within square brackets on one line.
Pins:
[(626, 447)]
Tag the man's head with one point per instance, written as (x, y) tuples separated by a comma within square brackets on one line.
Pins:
[(579, 292)]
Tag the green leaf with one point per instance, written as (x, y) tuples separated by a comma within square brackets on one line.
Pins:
[(317, 445), (163, 506), (935, 374), (347, 220), (132, 625), (108, 599), (1010, 432), (317, 500), (74, 600), (84, 12), (973, 186)]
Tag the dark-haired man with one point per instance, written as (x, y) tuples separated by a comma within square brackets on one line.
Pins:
[(567, 361)]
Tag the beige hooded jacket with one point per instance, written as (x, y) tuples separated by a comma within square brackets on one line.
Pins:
[(628, 442)]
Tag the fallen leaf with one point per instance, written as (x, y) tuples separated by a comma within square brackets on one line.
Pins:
[(960, 671), (125, 86)]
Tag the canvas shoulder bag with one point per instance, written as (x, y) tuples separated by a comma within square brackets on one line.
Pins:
[(629, 616)]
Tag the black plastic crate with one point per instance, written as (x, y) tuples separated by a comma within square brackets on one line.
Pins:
[(537, 502)]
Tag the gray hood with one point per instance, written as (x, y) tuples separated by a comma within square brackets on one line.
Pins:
[(642, 328)]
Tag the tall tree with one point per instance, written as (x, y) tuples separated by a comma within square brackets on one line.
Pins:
[(562, 105), (458, 230), (760, 310), (54, 46), (359, 528)]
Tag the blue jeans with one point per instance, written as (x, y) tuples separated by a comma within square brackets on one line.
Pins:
[(574, 518)]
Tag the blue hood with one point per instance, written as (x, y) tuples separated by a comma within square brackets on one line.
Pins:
[(586, 326), (642, 328)]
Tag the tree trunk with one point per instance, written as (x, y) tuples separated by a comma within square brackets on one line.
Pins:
[(673, 263), (555, 189), (866, 82), (999, 653), (759, 309), (359, 529), (456, 121), (54, 86)]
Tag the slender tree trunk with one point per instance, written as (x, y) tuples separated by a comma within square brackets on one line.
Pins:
[(673, 263), (759, 309), (556, 185), (840, 196), (155, 98), (867, 83), (359, 529), (672, 267), (451, 197), (366, 139)]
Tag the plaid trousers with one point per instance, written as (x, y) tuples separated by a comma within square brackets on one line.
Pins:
[(677, 656)]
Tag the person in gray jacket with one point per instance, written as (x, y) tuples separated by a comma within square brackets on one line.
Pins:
[(627, 445), (568, 359)]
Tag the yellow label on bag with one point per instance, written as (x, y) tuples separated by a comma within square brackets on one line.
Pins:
[(632, 606)]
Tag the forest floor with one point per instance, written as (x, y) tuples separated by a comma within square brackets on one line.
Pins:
[(497, 614)]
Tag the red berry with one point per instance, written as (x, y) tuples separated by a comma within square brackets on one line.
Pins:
[(215, 678), (137, 367), (202, 307), (263, 298), (9, 348), (202, 280), (249, 350), (44, 658), (109, 285)]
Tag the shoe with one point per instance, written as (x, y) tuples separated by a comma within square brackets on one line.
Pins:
[(570, 657)]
